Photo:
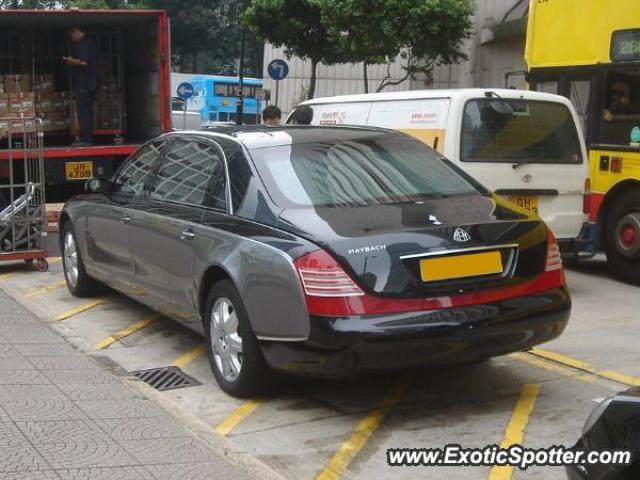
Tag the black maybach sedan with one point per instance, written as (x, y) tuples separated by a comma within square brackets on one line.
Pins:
[(317, 250)]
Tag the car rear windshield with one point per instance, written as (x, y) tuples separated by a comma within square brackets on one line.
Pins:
[(381, 169), (519, 131)]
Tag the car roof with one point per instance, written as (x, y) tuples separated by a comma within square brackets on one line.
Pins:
[(262, 136), (432, 94)]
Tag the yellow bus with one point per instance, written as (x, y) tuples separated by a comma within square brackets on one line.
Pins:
[(589, 51)]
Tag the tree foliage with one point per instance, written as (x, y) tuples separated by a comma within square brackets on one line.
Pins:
[(297, 26), (424, 33)]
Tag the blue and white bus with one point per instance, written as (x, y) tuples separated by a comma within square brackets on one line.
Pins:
[(216, 99)]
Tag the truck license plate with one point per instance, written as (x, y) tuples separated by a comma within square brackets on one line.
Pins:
[(78, 170)]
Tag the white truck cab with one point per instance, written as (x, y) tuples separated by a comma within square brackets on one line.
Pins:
[(523, 145)]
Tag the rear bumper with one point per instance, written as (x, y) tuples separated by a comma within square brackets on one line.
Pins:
[(585, 245), (346, 346)]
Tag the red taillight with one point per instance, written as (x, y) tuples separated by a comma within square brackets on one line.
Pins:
[(322, 277), (554, 259), (328, 288), (585, 197), (553, 272)]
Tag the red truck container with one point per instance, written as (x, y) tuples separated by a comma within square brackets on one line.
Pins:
[(133, 103)]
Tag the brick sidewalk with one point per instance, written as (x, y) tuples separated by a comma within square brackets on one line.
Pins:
[(63, 417)]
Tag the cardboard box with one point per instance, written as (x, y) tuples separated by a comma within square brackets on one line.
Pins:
[(51, 101), (22, 103), (16, 126), (61, 100), (17, 83), (55, 121), (43, 83), (4, 103)]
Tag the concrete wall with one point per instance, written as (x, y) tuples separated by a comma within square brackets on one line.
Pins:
[(490, 58), (489, 61)]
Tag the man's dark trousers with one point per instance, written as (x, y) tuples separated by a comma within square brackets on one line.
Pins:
[(84, 107)]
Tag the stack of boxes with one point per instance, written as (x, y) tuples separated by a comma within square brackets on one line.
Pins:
[(27, 97), (17, 105)]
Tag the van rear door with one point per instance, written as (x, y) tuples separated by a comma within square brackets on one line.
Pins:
[(530, 152)]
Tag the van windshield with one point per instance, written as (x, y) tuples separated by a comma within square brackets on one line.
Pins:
[(383, 168), (519, 131)]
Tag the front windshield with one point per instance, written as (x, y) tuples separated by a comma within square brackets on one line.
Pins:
[(383, 168), (513, 131)]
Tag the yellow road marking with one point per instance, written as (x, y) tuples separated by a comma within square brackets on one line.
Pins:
[(82, 308), (553, 367), (585, 367), (7, 276), (45, 289), (52, 260), (125, 332), (514, 433), (189, 357), (238, 416), (358, 439)]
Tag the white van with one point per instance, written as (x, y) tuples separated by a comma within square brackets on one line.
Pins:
[(523, 145)]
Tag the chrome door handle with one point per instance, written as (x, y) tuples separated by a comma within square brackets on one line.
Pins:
[(187, 235), (126, 219)]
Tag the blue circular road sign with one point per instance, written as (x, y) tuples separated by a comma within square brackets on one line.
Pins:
[(185, 90), (278, 69)]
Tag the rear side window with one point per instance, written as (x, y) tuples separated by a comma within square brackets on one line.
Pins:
[(189, 173), (130, 179), (515, 131)]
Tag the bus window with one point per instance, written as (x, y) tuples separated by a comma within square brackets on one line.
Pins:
[(547, 87), (579, 94), (621, 113)]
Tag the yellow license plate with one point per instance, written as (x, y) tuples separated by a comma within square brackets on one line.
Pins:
[(78, 170), (460, 266), (528, 203)]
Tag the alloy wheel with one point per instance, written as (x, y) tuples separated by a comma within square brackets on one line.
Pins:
[(70, 254), (226, 342)]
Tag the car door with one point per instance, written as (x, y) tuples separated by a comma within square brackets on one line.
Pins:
[(108, 223), (163, 238)]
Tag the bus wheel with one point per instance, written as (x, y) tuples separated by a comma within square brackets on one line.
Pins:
[(623, 238)]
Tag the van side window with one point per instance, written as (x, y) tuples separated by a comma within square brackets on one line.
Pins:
[(187, 171)]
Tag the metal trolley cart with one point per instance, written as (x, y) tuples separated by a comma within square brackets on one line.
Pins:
[(22, 192)]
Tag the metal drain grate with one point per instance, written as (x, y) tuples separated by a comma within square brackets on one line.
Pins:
[(166, 378)]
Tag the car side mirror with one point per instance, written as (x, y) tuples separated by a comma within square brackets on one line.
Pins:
[(96, 185)]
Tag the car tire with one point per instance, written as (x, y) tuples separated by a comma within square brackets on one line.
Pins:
[(79, 283), (234, 354), (625, 267)]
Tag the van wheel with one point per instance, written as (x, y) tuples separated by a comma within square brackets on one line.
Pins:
[(79, 283), (234, 354), (623, 238)]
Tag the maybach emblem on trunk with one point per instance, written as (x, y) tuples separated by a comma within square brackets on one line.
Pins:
[(461, 235)]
